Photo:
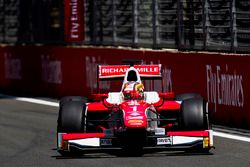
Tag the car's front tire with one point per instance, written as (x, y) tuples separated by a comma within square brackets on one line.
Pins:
[(71, 119), (71, 116), (194, 114)]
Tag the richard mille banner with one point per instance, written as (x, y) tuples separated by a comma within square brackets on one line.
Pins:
[(112, 71), (73, 20)]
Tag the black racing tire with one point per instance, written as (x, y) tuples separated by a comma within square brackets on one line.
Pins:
[(71, 119), (194, 114), (71, 116), (185, 96)]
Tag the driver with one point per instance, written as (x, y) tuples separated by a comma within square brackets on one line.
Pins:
[(133, 90)]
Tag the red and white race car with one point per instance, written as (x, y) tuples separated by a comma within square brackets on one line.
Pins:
[(133, 119)]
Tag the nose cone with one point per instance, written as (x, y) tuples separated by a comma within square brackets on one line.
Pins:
[(134, 114)]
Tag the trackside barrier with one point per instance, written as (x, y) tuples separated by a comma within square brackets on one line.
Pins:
[(223, 79)]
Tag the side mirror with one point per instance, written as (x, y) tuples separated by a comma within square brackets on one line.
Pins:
[(167, 95)]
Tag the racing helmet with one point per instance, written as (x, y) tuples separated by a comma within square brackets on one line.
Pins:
[(133, 90)]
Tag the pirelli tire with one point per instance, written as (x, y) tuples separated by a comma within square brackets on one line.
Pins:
[(194, 114), (71, 119), (65, 108), (71, 116)]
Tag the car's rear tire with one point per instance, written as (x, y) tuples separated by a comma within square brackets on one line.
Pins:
[(194, 114)]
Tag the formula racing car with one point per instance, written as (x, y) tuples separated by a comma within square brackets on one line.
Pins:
[(133, 119)]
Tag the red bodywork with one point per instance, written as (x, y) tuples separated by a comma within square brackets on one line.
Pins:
[(135, 113)]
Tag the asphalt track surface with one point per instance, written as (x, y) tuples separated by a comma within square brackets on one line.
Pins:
[(28, 139)]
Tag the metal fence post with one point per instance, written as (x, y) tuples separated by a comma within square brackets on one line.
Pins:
[(2, 33), (114, 25), (191, 24), (135, 22), (234, 43), (204, 23), (155, 24), (180, 24), (93, 22)]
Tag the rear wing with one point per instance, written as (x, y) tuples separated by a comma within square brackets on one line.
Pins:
[(106, 72)]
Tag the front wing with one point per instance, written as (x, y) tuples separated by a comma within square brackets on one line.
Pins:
[(102, 142)]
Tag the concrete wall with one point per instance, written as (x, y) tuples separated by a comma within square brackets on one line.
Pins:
[(223, 79)]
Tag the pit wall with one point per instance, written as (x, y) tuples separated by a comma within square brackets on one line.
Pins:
[(222, 79)]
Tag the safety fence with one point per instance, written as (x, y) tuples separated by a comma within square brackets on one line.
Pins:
[(180, 24), (221, 25), (31, 22)]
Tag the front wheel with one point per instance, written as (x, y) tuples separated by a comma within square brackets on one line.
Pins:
[(71, 119), (194, 114)]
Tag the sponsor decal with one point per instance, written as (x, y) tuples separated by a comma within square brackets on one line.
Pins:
[(160, 131), (164, 141), (134, 117), (13, 67), (74, 27), (106, 71), (106, 142), (120, 70), (135, 121), (150, 69), (224, 87), (112, 70), (51, 70), (134, 114)]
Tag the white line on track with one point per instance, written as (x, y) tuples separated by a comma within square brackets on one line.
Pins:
[(230, 136), (56, 104), (38, 101)]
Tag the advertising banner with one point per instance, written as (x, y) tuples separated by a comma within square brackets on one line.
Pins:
[(221, 79), (73, 20), (107, 71)]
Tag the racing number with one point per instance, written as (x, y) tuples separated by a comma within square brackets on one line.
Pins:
[(134, 108)]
